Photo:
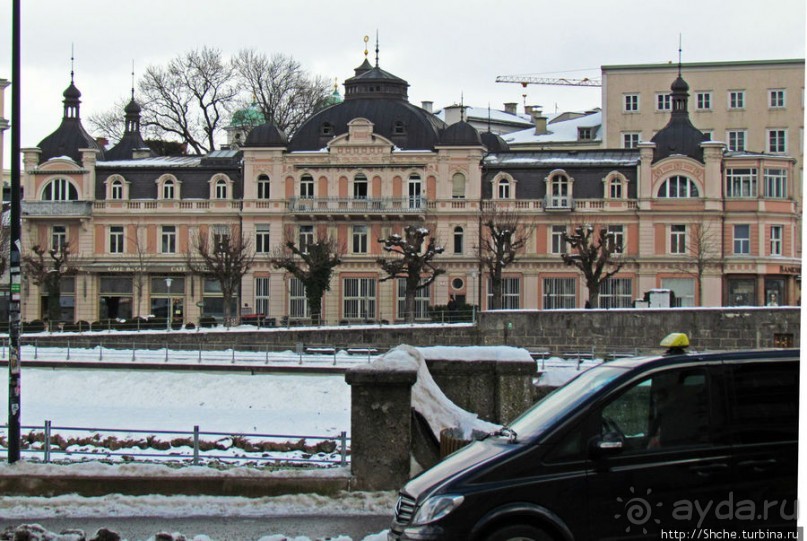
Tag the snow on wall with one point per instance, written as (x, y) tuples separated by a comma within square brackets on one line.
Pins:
[(476, 353)]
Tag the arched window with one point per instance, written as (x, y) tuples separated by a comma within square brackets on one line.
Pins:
[(559, 191), (263, 187), (116, 190), (169, 190), (504, 189), (458, 240), (616, 188), (60, 189), (458, 186), (678, 187), (221, 189)]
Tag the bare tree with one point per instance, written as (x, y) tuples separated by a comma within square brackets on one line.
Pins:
[(413, 262), (597, 258), (5, 240), (313, 265), (285, 93), (190, 98), (45, 268), (111, 123), (226, 259), (140, 268), (702, 252), (503, 237)]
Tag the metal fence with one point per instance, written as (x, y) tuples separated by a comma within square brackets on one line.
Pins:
[(50, 443)]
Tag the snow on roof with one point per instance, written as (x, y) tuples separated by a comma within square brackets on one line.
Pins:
[(160, 161), (481, 114), (620, 157), (476, 353), (561, 131)]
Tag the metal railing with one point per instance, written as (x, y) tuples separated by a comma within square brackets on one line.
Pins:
[(50, 443)]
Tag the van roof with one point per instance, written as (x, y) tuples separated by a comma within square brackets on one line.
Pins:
[(711, 357)]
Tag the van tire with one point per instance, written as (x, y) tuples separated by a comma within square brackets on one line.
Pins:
[(519, 532)]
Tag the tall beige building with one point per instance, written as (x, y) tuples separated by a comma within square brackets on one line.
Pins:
[(754, 106)]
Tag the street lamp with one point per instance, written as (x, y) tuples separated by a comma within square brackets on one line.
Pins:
[(168, 282)]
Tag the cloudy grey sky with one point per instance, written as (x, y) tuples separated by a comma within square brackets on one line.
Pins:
[(444, 48)]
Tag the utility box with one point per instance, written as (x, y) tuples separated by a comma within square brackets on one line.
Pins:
[(660, 298)]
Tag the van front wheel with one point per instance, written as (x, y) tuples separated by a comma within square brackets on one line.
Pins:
[(519, 532)]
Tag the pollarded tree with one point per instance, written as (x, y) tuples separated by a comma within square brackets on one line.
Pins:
[(226, 258), (597, 258), (413, 263), (313, 265), (45, 268), (503, 237)]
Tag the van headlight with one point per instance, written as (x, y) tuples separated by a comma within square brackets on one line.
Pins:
[(436, 507)]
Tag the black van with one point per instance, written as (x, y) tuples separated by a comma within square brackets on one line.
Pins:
[(675, 447)]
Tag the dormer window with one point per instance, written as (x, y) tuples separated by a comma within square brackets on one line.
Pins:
[(326, 129), (116, 190), (221, 189), (60, 189), (504, 189), (585, 134), (169, 189), (615, 186), (559, 190), (399, 128)]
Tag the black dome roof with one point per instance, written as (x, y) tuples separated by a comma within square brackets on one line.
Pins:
[(132, 107), (266, 135), (460, 134), (679, 136), (72, 92), (70, 136), (493, 142)]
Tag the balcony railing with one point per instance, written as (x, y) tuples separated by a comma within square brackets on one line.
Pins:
[(332, 205), (56, 209), (167, 204)]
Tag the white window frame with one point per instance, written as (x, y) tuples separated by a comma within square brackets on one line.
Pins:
[(777, 233), (618, 231), (422, 301), (616, 293), (264, 187), (559, 188), (168, 239), (777, 98), (511, 292), (359, 239), (263, 242), (169, 189), (742, 243), (776, 140), (458, 241), (221, 189), (305, 236), (630, 103), (775, 183), (684, 289), (117, 241), (631, 139), (664, 102), (361, 187), (678, 239), (458, 186), (556, 243), (737, 140), (741, 182), (359, 298), (262, 303), (58, 237), (414, 187), (306, 186), (703, 100), (678, 187), (560, 293), (503, 190), (298, 303), (116, 190), (736, 99), (60, 189)]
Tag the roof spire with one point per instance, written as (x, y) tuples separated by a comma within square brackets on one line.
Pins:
[(133, 79), (679, 55), (488, 116), (72, 61), (366, 52), (376, 47), (462, 106)]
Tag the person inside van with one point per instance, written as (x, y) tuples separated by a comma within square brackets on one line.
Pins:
[(680, 408)]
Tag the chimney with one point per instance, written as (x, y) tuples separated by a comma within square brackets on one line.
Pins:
[(510, 107), (427, 106), (539, 120), (102, 142), (453, 114), (140, 153)]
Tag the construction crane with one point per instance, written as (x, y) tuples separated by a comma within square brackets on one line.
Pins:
[(525, 80)]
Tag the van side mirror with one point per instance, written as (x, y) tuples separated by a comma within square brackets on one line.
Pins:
[(608, 444)]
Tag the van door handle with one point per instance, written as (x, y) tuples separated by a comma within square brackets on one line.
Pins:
[(708, 469), (758, 465)]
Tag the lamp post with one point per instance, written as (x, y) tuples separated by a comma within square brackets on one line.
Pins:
[(168, 282)]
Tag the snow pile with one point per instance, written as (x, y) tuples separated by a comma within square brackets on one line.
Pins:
[(476, 353), (429, 400), (556, 371)]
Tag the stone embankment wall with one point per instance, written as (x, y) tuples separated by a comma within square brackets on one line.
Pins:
[(554, 331)]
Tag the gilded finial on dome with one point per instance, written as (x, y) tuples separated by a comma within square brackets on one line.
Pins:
[(366, 40)]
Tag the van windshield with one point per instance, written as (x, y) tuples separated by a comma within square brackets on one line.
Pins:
[(563, 400)]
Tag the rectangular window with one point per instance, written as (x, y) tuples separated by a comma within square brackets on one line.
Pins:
[(262, 239), (558, 246), (616, 293), (116, 239), (262, 296), (359, 239), (736, 140), (263, 189), (777, 141), (776, 183), (630, 139), (683, 288), (306, 237), (422, 300), (776, 98), (678, 239), (298, 306), (168, 236), (742, 239), (221, 237), (360, 188), (359, 298), (307, 187), (585, 134), (764, 402), (777, 232), (631, 103), (703, 101), (559, 293), (741, 182), (511, 293), (663, 102), (618, 232), (58, 237), (737, 99)]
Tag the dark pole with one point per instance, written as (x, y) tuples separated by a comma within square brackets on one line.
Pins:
[(14, 238)]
